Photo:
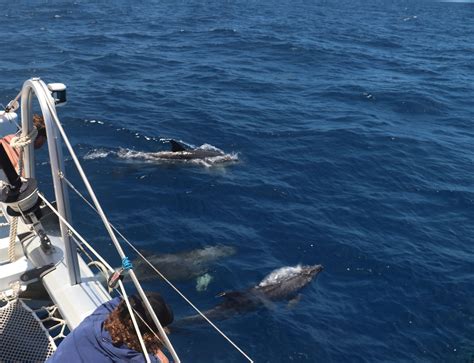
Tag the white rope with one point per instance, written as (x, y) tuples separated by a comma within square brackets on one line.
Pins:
[(12, 240), (160, 274), (99, 265), (21, 141)]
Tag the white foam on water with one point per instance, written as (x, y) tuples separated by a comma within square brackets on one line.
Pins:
[(210, 147), (97, 154), (280, 274), (94, 122), (202, 282), (132, 154), (410, 18), (215, 160)]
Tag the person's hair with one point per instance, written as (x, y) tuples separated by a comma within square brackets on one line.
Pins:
[(120, 327), (38, 122)]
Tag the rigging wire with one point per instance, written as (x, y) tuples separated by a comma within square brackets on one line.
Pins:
[(101, 259), (134, 321), (102, 268), (68, 182)]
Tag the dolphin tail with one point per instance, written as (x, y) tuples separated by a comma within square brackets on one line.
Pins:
[(176, 146)]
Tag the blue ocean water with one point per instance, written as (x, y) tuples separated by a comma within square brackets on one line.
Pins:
[(352, 121)]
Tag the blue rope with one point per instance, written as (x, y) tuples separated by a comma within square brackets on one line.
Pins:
[(126, 264)]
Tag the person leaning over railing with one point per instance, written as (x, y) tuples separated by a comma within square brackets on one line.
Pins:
[(13, 153), (108, 335)]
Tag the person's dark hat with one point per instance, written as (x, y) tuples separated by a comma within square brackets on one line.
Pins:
[(161, 308)]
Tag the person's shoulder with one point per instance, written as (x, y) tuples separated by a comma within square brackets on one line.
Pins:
[(110, 305)]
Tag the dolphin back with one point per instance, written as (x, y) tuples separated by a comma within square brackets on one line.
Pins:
[(286, 282)]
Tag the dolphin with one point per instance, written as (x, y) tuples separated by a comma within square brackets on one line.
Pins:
[(284, 283), (181, 266), (206, 154)]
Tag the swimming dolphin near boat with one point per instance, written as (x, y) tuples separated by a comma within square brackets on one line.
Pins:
[(205, 154), (181, 266), (282, 284)]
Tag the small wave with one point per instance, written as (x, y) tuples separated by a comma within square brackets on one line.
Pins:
[(410, 18), (280, 274), (94, 122), (93, 40), (383, 43), (210, 147)]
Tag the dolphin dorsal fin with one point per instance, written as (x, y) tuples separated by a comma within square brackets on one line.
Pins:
[(176, 146)]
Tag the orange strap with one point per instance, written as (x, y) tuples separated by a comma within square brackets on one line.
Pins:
[(12, 153)]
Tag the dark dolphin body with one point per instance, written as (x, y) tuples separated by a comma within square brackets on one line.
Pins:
[(206, 155), (282, 284), (180, 152), (181, 266)]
